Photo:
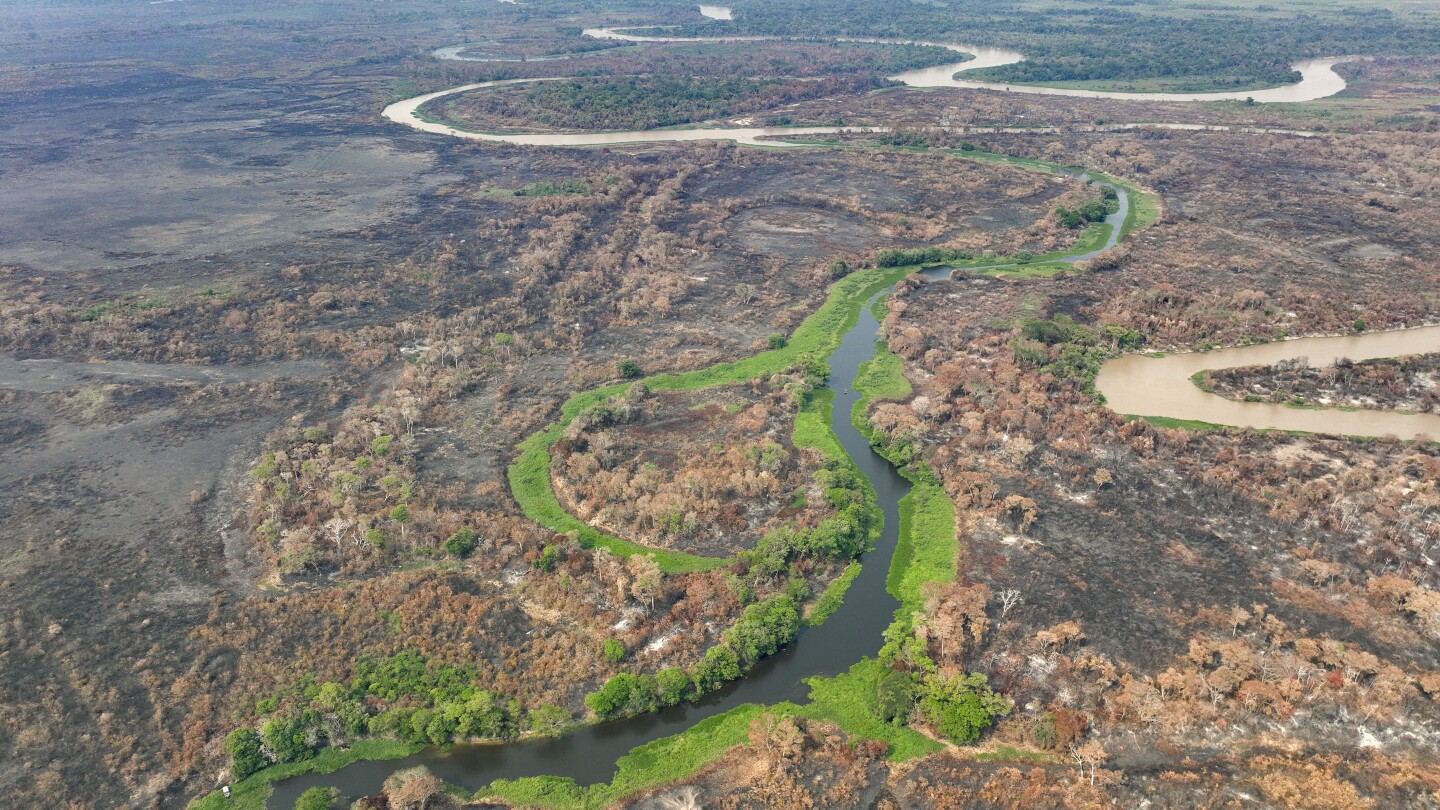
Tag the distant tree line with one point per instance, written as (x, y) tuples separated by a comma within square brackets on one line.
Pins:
[(646, 102), (1118, 43)]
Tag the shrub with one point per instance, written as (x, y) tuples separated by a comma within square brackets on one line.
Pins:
[(548, 721), (462, 543), (627, 368), (319, 798), (613, 651), (777, 341), (547, 559), (625, 694)]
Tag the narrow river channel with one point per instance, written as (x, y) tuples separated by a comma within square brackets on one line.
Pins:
[(588, 755)]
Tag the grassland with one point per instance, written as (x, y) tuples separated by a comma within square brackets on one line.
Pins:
[(928, 546)]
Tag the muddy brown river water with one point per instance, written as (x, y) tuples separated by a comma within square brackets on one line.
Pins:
[(1151, 386)]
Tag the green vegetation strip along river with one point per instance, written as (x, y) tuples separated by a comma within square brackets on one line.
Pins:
[(919, 539)]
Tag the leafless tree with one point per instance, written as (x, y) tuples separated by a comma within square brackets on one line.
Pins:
[(1009, 599)]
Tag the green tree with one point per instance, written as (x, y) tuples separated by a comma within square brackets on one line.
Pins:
[(381, 445), (287, 739), (962, 707), (895, 696), (401, 515), (613, 651), (627, 368), (777, 341), (462, 543), (613, 696), (672, 685), (246, 755), (719, 666)]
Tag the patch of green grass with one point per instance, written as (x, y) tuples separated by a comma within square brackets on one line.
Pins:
[(812, 426), (927, 546), (128, 305), (88, 401), (251, 792), (813, 430), (883, 376), (548, 189), (656, 763), (833, 597), (1092, 238), (1183, 424), (1145, 206), (1043, 270), (848, 701)]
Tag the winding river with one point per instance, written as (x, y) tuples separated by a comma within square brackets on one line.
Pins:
[(588, 755), (1132, 384), (1318, 78)]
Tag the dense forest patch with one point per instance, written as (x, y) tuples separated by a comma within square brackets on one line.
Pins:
[(643, 102), (1213, 49)]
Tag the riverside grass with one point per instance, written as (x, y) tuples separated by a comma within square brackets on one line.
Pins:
[(650, 765), (843, 700), (251, 792), (927, 545)]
